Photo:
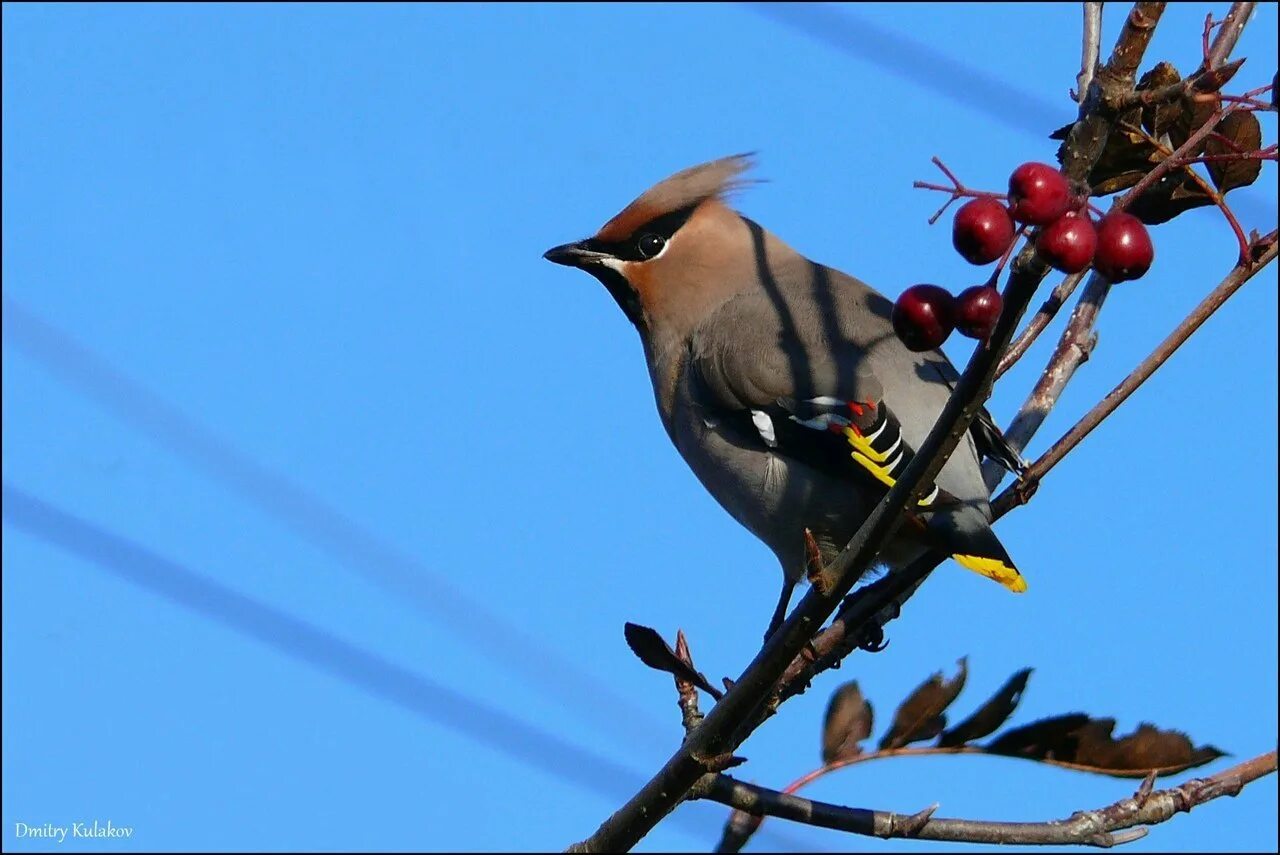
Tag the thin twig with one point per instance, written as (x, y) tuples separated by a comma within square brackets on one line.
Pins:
[(1184, 163), (738, 830), (1229, 33), (1089, 828), (1190, 148), (1074, 346), (969, 750), (1111, 83), (1202, 83), (1130, 47), (1041, 319), (1268, 153), (1212, 75), (859, 612), (957, 190), (1091, 44), (1019, 493)]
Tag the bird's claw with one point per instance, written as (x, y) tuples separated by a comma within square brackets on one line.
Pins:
[(872, 639)]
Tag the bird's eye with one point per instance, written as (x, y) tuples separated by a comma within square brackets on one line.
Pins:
[(650, 245)]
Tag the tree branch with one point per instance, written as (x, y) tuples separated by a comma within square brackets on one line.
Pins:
[(1205, 81), (1090, 47), (1042, 318), (1098, 827), (1132, 43), (1229, 33), (1021, 492), (1112, 83), (1074, 346), (1212, 75)]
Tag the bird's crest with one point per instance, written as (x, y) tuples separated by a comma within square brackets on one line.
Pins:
[(686, 188)]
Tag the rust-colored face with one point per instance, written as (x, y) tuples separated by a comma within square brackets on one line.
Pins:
[(662, 244)]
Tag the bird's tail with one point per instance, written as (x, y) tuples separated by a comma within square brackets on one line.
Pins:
[(965, 531)]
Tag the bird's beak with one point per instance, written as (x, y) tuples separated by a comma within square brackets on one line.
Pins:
[(574, 255)]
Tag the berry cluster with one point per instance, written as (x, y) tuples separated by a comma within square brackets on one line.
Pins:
[(985, 229), (924, 315)]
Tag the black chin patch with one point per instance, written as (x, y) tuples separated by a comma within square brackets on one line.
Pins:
[(621, 291)]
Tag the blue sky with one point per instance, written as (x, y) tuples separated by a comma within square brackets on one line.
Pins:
[(326, 498)]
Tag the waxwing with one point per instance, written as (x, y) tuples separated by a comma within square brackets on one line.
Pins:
[(781, 382)]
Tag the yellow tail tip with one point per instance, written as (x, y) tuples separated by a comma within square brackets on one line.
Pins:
[(995, 569)]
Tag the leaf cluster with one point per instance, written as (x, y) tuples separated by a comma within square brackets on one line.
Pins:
[(1148, 133), (1073, 740)]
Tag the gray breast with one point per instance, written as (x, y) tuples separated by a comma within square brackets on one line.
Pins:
[(774, 497)]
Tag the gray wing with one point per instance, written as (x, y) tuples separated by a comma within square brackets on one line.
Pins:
[(794, 389), (755, 351)]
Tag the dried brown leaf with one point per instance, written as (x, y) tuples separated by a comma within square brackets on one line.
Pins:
[(988, 717), (1127, 156), (1192, 114), (1245, 134), (1157, 118), (1167, 198), (1085, 743), (1136, 754), (921, 715), (650, 648), (1046, 738), (848, 721)]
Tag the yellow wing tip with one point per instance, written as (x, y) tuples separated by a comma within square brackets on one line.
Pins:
[(994, 569)]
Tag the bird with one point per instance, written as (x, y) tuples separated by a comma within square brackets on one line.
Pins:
[(782, 385)]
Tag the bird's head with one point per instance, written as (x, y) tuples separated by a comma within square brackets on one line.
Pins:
[(674, 250)]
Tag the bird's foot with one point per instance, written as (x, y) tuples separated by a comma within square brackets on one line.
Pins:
[(780, 612), (871, 639)]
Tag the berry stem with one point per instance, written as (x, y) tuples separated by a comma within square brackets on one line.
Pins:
[(937, 161), (1184, 163), (957, 189), (1008, 253)]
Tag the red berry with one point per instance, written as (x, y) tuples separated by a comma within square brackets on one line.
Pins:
[(1068, 243), (982, 231), (1038, 194), (923, 317), (977, 310), (1124, 247)]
